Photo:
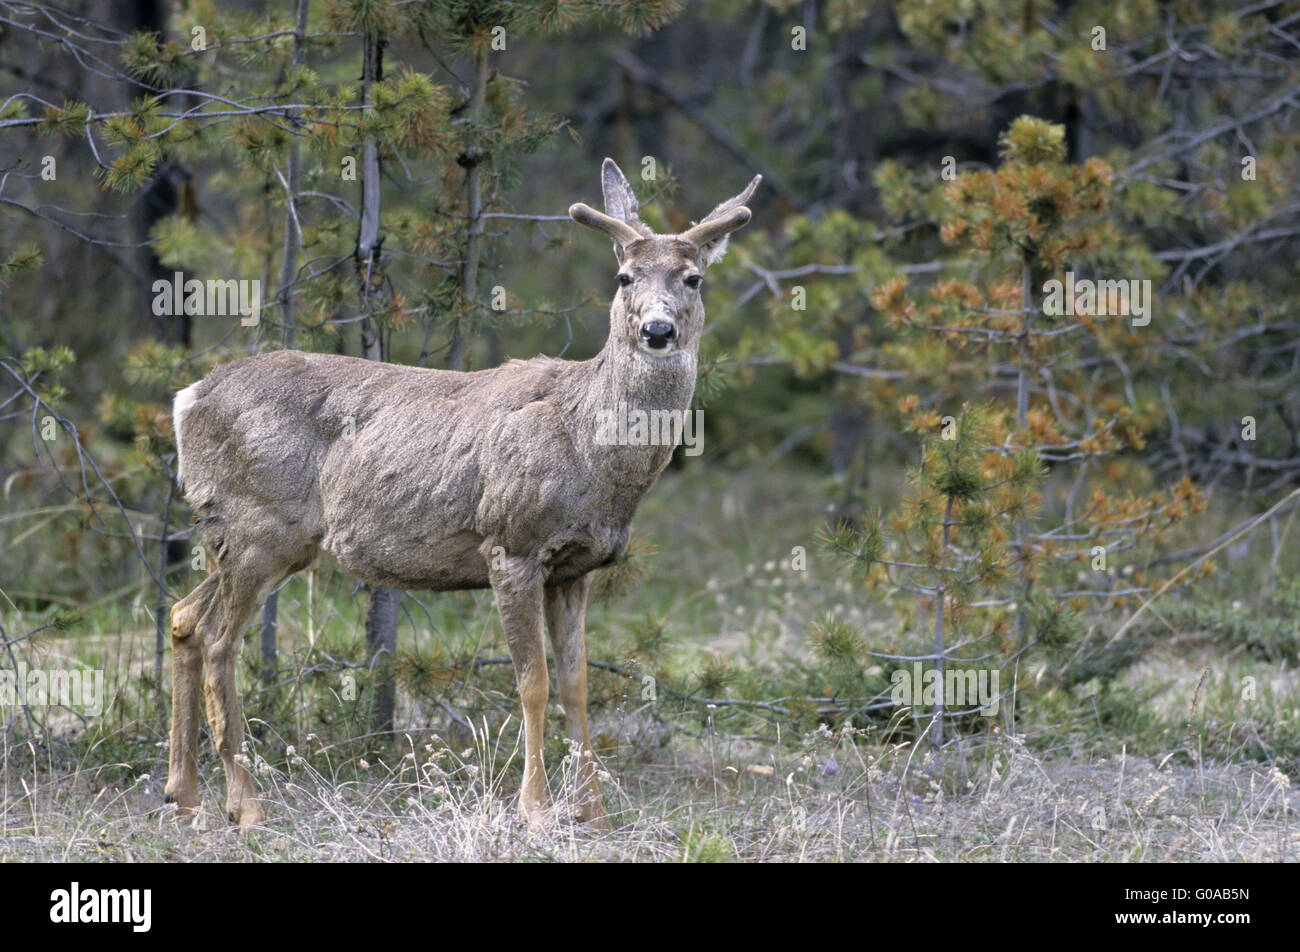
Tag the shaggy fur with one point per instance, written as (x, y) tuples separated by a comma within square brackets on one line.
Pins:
[(431, 479)]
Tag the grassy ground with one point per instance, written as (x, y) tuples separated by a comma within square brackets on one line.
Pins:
[(1002, 802), (1174, 760)]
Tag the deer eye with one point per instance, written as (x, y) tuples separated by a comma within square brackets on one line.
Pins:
[(624, 279), (694, 280)]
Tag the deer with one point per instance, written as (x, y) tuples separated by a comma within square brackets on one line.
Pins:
[(416, 478)]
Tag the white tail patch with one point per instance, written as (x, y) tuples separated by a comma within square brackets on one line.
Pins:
[(184, 402)]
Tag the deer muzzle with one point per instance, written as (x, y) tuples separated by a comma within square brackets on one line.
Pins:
[(658, 331)]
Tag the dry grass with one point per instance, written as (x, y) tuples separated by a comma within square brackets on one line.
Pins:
[(839, 800)]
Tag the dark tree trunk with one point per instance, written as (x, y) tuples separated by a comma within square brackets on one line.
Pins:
[(288, 272), (471, 159), (170, 191), (381, 615), (381, 647), (856, 152), (270, 653)]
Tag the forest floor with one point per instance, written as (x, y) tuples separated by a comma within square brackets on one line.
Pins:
[(1004, 804)]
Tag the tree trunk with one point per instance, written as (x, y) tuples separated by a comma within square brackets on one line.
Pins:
[(270, 652), (381, 615), (381, 648), (936, 725), (1022, 415), (856, 151), (159, 199), (471, 159), (288, 271), (161, 617)]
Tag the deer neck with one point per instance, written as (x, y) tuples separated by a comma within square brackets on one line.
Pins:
[(644, 382), (626, 382)]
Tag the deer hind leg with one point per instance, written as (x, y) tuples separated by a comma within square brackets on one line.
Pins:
[(518, 590), (243, 583), (566, 609), (187, 671)]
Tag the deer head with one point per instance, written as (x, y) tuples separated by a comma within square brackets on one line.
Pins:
[(657, 311)]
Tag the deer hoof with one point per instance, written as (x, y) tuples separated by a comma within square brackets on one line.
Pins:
[(248, 815), (186, 802)]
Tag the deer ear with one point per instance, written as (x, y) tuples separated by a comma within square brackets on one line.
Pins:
[(714, 247), (620, 200)]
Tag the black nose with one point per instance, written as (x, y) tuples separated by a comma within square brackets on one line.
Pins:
[(658, 333)]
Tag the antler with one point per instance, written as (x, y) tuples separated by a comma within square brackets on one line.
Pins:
[(713, 228), (735, 201), (710, 235), (621, 232)]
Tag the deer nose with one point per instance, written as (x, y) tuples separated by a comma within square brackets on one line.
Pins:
[(658, 333)]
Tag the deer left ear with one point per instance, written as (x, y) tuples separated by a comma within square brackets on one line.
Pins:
[(620, 203), (712, 231), (620, 200)]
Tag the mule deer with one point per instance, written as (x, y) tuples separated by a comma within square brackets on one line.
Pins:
[(431, 479)]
